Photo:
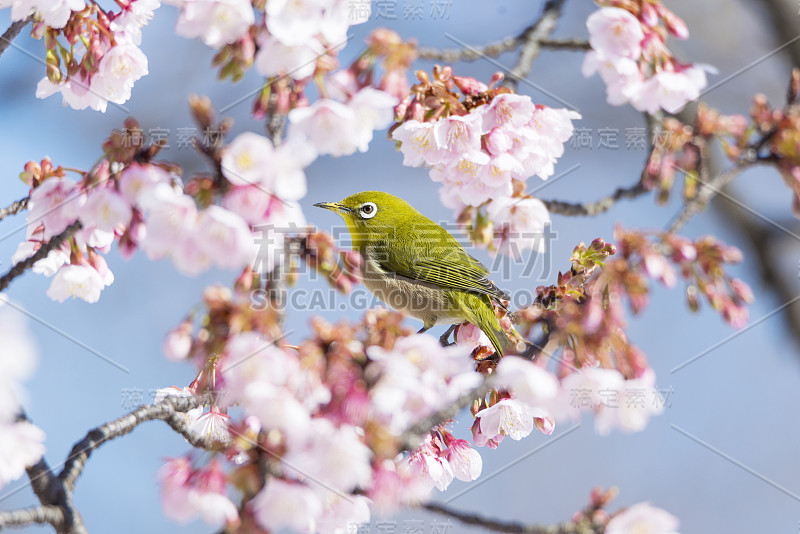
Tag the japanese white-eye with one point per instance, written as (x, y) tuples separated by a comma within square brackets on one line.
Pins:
[(414, 265)]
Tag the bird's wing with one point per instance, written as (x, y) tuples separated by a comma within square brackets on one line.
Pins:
[(436, 257)]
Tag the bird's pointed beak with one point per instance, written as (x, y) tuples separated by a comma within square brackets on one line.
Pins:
[(333, 206)]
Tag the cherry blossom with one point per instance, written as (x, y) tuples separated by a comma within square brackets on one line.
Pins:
[(187, 493), (645, 518), (76, 281), (21, 445), (105, 209), (55, 204), (275, 58), (54, 13), (225, 237), (615, 32), (427, 465), (529, 383), (218, 22), (178, 342), (287, 504), (519, 224), (119, 68), (465, 461), (133, 17), (508, 417)]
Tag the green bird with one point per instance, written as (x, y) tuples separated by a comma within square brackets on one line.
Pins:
[(414, 265)]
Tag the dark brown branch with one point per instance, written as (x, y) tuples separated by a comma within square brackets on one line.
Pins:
[(590, 209), (12, 32), (42, 253), (169, 411), (55, 492), (531, 42), (493, 525), (14, 208)]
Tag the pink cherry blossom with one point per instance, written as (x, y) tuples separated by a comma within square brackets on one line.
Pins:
[(286, 178), (218, 22), (105, 209), (133, 17), (670, 90), (54, 13), (508, 417), (622, 76), (631, 406), (418, 143), (55, 203), (246, 160), (294, 22), (76, 92), (461, 138), (138, 181), (343, 512), (225, 237), (417, 377), (212, 425), (286, 505), (275, 58), (615, 32), (393, 487), (427, 465), (21, 445), (519, 224), (178, 342), (507, 111), (187, 494), (76, 281), (332, 127), (473, 337), (119, 68), (374, 110), (335, 457), (170, 217), (465, 461), (643, 518), (528, 382)]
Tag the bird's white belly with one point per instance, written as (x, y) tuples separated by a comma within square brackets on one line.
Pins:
[(418, 299)]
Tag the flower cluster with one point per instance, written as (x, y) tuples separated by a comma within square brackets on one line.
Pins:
[(482, 149), (111, 60), (340, 128), (629, 52), (21, 443), (130, 200)]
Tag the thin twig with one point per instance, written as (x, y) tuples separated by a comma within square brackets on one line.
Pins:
[(591, 209), (14, 208), (42, 253), (497, 48), (531, 41), (493, 525), (12, 32)]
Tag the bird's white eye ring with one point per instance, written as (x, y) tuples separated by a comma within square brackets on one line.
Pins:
[(368, 210)]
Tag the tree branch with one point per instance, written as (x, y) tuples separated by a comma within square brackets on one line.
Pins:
[(590, 209), (42, 253), (53, 515), (12, 32), (169, 411), (531, 41), (14, 208), (583, 527), (55, 492)]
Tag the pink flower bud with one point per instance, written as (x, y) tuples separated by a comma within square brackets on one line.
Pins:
[(178, 342), (469, 86), (545, 425)]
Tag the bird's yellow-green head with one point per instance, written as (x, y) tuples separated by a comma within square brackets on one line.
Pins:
[(372, 215)]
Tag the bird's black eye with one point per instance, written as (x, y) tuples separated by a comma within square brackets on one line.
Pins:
[(368, 210)]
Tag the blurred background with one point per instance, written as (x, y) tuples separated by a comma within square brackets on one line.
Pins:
[(739, 398)]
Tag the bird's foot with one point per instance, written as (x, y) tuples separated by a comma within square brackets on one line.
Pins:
[(444, 340)]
